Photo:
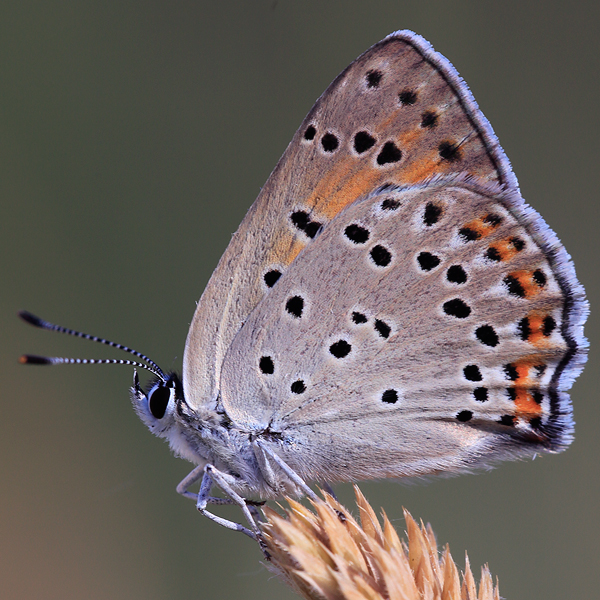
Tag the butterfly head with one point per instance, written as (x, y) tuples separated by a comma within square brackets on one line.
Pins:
[(156, 407)]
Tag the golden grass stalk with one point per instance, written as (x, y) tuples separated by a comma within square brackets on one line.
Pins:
[(327, 554)]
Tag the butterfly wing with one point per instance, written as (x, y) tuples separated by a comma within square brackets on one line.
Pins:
[(431, 328), (399, 114)]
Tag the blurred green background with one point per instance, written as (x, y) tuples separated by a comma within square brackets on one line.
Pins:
[(133, 138)]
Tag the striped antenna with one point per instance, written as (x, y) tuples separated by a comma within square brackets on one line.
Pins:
[(28, 359)]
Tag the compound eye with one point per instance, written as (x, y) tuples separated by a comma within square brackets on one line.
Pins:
[(158, 400)]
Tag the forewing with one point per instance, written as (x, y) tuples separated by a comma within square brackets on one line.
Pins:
[(399, 114)]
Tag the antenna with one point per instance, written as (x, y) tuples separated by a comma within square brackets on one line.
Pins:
[(29, 359)]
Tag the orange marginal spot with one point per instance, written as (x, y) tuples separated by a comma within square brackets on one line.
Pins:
[(527, 401), (504, 249), (535, 326), (522, 367), (525, 404), (527, 282), (482, 226)]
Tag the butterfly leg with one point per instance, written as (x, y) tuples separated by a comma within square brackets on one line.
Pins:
[(298, 480), (211, 476), (196, 475), (220, 479), (288, 471)]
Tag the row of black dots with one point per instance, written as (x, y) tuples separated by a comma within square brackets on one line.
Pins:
[(294, 306), (389, 152), (360, 235), (267, 367), (455, 274), (428, 261), (429, 118), (302, 221), (473, 372), (362, 142), (381, 256), (339, 350), (380, 326), (485, 334), (508, 420), (407, 97), (448, 150)]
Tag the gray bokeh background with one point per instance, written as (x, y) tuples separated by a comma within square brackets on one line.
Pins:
[(134, 136)]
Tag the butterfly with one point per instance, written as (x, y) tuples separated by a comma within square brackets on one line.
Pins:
[(389, 307)]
